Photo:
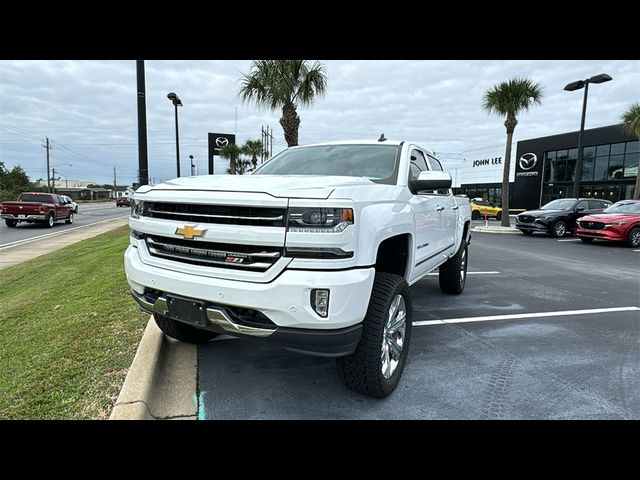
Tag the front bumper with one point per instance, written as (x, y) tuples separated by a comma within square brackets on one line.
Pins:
[(285, 300), (10, 216), (610, 233), (221, 319), (536, 226)]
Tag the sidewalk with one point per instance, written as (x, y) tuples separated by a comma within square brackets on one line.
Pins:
[(14, 255)]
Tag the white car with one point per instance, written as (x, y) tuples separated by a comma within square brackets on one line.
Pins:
[(74, 205), (314, 251)]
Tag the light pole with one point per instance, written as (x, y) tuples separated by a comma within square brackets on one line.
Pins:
[(176, 103), (577, 85), (193, 167)]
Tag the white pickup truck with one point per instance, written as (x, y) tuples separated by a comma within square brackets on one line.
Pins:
[(314, 251)]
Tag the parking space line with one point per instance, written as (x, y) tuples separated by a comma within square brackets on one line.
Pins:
[(570, 240), (469, 273), (518, 316)]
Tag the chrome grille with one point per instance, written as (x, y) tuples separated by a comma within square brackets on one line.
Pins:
[(526, 218), (221, 214), (591, 225), (222, 255)]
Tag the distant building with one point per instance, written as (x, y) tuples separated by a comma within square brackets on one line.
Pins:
[(85, 193), (123, 191), (69, 183)]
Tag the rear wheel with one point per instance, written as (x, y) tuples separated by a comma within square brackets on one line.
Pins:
[(633, 239), (586, 239), (50, 221), (181, 331), (475, 215), (11, 223), (499, 216), (376, 365), (453, 274), (559, 229), (70, 219)]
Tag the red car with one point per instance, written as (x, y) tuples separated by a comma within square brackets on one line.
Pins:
[(620, 223)]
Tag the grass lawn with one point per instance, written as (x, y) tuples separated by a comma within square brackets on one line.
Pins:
[(68, 331)]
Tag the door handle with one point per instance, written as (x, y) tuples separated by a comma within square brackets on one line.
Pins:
[(455, 208), (439, 209)]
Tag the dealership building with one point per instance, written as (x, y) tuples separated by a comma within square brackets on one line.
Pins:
[(543, 168)]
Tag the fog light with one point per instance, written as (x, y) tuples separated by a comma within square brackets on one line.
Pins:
[(320, 301)]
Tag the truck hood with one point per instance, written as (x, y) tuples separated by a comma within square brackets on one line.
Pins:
[(281, 186)]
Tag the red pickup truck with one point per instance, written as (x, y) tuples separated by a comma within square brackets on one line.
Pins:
[(39, 207)]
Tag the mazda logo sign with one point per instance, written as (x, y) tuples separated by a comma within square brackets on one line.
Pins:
[(222, 142), (528, 161)]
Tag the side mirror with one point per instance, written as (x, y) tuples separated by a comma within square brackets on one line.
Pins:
[(430, 180)]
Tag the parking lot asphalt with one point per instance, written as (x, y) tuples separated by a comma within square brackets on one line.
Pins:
[(545, 329)]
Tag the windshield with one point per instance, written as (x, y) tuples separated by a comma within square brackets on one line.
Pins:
[(560, 204), (375, 162), (633, 207), (34, 197)]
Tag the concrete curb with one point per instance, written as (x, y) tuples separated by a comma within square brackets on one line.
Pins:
[(508, 230), (161, 382)]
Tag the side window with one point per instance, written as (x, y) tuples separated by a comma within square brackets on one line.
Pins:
[(584, 205), (418, 163), (60, 199), (434, 164), (596, 204)]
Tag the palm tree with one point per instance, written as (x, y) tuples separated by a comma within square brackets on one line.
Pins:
[(232, 153), (508, 99), (284, 84), (631, 123), (253, 149)]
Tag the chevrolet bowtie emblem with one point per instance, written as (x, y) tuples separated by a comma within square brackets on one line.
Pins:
[(188, 232)]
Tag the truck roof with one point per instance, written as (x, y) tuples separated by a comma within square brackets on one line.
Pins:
[(354, 142)]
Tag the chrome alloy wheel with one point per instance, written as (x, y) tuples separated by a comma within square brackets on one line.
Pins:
[(560, 229), (635, 239), (393, 336), (463, 266)]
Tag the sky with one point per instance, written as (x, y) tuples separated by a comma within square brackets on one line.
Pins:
[(88, 109)]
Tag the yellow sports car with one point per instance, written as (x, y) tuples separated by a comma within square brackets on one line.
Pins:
[(481, 208)]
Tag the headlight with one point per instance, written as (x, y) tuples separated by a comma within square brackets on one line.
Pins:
[(615, 224), (137, 208), (327, 220), (545, 217)]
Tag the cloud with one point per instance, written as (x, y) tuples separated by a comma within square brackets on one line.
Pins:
[(88, 108)]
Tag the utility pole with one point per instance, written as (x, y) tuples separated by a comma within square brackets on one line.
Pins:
[(48, 147), (53, 180), (115, 194)]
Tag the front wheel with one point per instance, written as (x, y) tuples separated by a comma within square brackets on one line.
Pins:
[(453, 273), (182, 331), (499, 216), (475, 215), (376, 365), (633, 239), (70, 219), (559, 229)]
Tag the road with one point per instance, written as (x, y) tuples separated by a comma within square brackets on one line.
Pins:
[(88, 213), (545, 329)]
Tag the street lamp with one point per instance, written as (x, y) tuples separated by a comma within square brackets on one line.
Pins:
[(53, 180), (176, 103), (577, 85), (193, 167)]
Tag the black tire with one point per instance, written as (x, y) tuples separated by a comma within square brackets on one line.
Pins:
[(586, 239), (362, 371), (181, 331), (70, 219), (475, 215), (499, 216), (633, 239), (527, 232), (11, 223), (453, 273), (76, 210), (559, 229), (50, 221)]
